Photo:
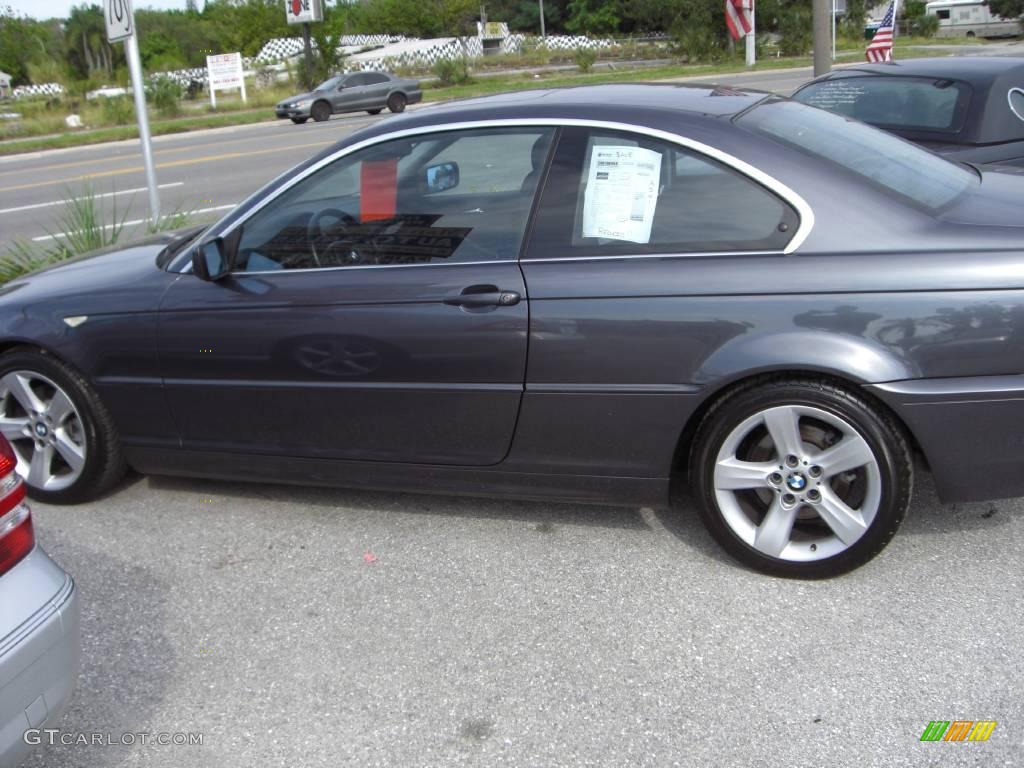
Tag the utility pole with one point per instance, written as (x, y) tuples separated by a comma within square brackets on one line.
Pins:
[(822, 33), (541, 3)]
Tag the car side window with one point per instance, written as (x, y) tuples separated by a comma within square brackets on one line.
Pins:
[(446, 197), (355, 79), (375, 78), (612, 193)]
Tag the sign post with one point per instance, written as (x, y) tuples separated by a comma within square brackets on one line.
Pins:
[(120, 19), (303, 12), (224, 72)]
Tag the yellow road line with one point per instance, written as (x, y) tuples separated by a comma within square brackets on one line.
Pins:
[(171, 164)]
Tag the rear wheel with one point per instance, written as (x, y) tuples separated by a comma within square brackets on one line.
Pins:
[(64, 439), (397, 102), (299, 120), (373, 111), (321, 111), (800, 477)]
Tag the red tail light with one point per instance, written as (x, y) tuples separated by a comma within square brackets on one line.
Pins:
[(16, 535)]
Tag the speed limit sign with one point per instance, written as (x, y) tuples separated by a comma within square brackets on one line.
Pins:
[(119, 19)]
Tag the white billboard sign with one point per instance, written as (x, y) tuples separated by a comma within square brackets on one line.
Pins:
[(225, 73), (304, 11), (120, 19)]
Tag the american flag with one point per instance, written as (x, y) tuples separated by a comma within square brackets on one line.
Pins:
[(737, 17), (880, 48)]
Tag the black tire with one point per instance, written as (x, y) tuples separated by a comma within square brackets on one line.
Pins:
[(373, 111), (884, 436), (104, 463), (397, 102), (321, 111), (299, 120)]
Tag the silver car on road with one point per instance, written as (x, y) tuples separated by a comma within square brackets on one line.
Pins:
[(39, 640), (354, 92)]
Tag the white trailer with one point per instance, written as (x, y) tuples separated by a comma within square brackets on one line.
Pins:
[(970, 18)]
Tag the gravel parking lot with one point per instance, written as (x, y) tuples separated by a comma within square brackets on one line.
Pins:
[(318, 627)]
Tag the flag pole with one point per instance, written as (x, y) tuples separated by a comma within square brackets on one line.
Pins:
[(751, 39)]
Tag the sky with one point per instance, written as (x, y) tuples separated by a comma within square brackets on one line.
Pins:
[(48, 9)]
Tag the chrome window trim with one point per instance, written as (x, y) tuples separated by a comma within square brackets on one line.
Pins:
[(666, 255), (803, 209), (369, 266), (1009, 99)]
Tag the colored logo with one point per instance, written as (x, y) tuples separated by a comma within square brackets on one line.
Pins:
[(958, 730)]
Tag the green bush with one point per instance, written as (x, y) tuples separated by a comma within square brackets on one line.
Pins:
[(698, 33), (795, 28), (918, 21), (584, 58), (117, 110), (83, 224), (452, 71), (165, 95)]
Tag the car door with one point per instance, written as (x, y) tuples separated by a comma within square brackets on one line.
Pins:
[(376, 310), (351, 95), (628, 227), (376, 90)]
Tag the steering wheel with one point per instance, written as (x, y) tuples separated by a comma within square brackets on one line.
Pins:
[(315, 230)]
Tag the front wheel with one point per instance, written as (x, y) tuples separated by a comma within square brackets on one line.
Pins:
[(299, 120), (801, 477), (397, 102), (63, 437)]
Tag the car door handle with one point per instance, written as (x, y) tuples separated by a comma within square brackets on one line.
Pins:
[(483, 296)]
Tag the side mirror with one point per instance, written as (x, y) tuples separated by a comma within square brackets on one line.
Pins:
[(209, 260), (441, 177)]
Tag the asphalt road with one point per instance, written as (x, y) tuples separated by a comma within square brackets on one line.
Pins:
[(491, 633)]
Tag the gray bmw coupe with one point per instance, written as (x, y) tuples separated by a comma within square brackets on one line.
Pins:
[(567, 294)]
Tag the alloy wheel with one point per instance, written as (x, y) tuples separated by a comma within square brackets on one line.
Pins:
[(45, 429), (797, 483)]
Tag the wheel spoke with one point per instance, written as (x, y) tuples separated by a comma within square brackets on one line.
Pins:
[(849, 453), (732, 474), (846, 523), (69, 451), (18, 386), (13, 428), (39, 468), (773, 534), (59, 407), (783, 425)]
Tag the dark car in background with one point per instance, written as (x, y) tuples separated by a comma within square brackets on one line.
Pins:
[(355, 92), (573, 294), (969, 109)]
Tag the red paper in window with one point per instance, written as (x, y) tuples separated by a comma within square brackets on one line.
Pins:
[(378, 189)]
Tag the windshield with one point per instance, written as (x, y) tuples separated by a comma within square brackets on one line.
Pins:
[(888, 161), (908, 103), (327, 85)]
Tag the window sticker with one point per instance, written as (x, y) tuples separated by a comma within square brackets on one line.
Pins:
[(622, 193)]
